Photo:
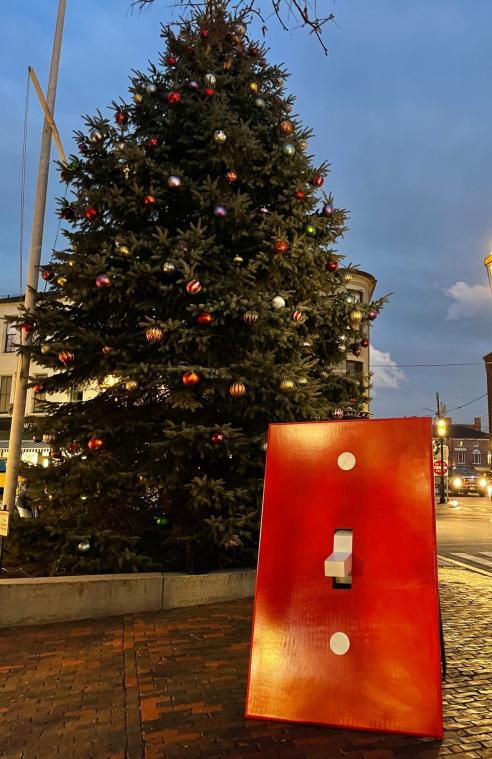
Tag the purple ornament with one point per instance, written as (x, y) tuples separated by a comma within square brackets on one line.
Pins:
[(327, 210), (102, 280), (192, 85), (220, 212), (372, 315)]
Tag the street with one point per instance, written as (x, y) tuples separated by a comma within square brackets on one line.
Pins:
[(464, 531)]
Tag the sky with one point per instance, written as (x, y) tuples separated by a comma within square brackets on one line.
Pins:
[(401, 109)]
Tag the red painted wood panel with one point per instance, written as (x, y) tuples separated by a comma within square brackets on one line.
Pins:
[(389, 679)]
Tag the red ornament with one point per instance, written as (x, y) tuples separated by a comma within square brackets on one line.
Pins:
[(47, 275), (121, 117), (154, 334), (317, 180), (73, 447), (299, 194), (281, 246), (190, 378), (37, 388), (67, 213), (170, 60), (91, 213), (209, 92), (332, 265), (66, 358), (149, 199), (253, 51), (205, 318), (298, 316), (152, 142), (231, 177), (102, 280), (106, 350), (217, 438), (364, 342), (173, 98), (27, 327), (95, 443), (204, 33), (193, 287)]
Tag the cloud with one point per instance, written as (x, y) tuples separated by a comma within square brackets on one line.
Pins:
[(468, 300), (385, 373)]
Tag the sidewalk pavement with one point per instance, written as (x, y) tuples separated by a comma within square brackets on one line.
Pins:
[(172, 685)]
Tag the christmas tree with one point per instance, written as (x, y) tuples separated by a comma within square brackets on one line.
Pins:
[(200, 297)]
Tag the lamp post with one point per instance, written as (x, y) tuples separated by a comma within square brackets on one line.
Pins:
[(487, 262), (441, 431)]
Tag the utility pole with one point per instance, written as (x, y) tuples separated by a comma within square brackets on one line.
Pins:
[(22, 373), (441, 431)]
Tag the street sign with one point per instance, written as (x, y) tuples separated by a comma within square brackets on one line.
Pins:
[(4, 523), (437, 467)]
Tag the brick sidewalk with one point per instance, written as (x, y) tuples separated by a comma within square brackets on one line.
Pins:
[(172, 685)]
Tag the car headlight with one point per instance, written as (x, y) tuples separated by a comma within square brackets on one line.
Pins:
[(483, 482), (457, 482)]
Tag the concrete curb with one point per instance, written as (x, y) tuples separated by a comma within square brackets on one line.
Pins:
[(41, 600)]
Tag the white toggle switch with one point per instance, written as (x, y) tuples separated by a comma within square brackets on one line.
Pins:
[(339, 563)]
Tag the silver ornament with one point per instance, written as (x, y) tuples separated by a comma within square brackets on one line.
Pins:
[(168, 267), (96, 135), (278, 302), (151, 89), (210, 80), (220, 136), (173, 182), (289, 149), (260, 103), (83, 546), (342, 348), (120, 146), (240, 29)]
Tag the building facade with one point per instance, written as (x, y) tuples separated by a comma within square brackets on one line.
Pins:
[(468, 444)]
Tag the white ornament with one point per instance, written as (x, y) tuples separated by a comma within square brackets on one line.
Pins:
[(278, 302)]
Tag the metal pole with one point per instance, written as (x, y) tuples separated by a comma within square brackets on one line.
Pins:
[(22, 373), (442, 491)]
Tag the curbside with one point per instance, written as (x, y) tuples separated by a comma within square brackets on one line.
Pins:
[(42, 600)]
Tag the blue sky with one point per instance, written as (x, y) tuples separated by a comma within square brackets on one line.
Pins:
[(400, 107)]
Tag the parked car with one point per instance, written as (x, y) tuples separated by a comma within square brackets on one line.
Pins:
[(464, 479)]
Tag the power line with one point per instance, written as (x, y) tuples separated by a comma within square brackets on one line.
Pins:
[(408, 366), (469, 403)]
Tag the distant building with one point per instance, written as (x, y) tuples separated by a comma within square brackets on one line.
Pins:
[(468, 444)]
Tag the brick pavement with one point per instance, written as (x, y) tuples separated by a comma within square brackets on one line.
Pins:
[(169, 685)]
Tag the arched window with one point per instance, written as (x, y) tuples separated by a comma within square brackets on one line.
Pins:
[(477, 456)]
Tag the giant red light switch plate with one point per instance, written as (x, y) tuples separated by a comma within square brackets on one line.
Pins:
[(352, 497)]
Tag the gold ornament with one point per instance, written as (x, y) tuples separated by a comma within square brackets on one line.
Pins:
[(302, 380), (228, 63), (137, 98), (253, 87), (124, 250), (355, 318), (126, 171), (237, 260), (45, 349), (287, 385), (154, 334), (237, 389), (71, 264), (347, 277), (61, 281), (131, 385)]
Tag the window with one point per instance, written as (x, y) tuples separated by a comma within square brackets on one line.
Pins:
[(460, 457), (357, 295), (477, 456), (38, 398), (5, 389), (355, 368), (76, 396), (12, 338)]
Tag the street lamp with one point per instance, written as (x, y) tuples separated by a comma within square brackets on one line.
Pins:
[(487, 262), (441, 432)]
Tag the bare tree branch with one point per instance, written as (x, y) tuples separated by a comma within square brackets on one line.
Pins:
[(305, 13)]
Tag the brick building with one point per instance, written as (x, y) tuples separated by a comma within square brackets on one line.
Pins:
[(468, 444)]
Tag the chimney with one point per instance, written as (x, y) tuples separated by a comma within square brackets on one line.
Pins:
[(477, 422)]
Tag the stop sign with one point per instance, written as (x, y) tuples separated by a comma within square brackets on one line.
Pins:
[(438, 469)]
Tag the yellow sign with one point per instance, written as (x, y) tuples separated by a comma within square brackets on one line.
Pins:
[(4, 523)]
